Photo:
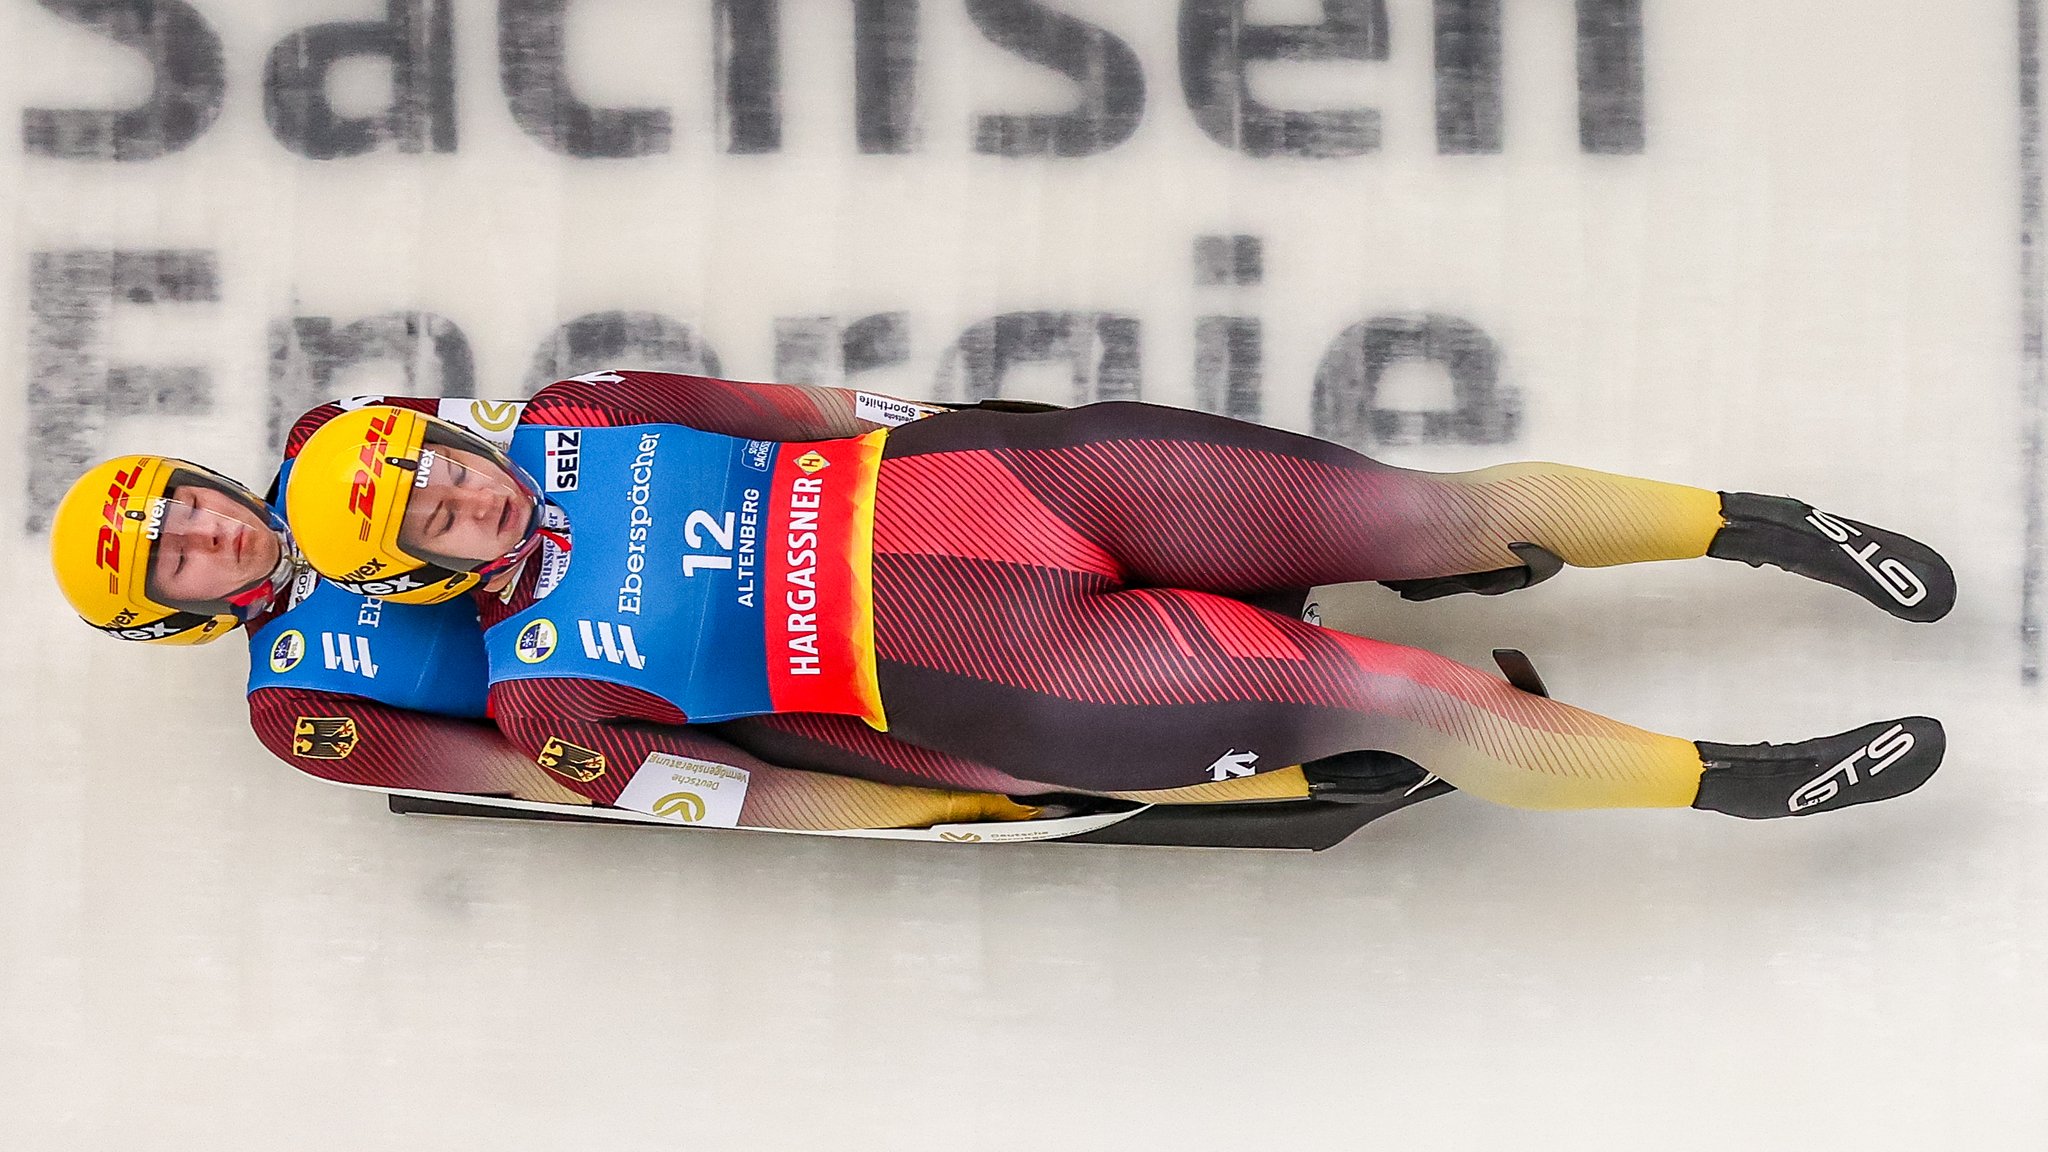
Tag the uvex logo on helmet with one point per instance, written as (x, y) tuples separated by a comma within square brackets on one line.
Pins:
[(362, 494), (107, 554)]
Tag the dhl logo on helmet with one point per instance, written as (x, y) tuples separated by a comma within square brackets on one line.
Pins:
[(362, 492), (107, 554)]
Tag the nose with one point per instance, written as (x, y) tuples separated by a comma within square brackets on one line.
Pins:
[(206, 536), (479, 503)]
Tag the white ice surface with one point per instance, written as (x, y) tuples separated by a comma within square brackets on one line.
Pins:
[(1808, 282)]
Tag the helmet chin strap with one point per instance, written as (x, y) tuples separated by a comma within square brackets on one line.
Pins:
[(526, 547), (259, 596)]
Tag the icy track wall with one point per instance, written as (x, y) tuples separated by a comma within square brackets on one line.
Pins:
[(1776, 245), (1449, 233), (934, 192)]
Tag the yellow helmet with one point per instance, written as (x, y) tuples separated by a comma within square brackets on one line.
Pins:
[(351, 485), (112, 525)]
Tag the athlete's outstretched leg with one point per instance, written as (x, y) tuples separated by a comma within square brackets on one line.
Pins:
[(1169, 497), (1106, 690)]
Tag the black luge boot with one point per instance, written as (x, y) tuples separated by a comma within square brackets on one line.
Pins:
[(1875, 762), (1538, 564), (1366, 777), (1897, 573)]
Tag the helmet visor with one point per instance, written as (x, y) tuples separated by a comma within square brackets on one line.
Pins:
[(465, 510), (213, 551)]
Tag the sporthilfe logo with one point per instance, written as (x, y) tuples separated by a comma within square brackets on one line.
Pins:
[(362, 492), (1884, 752), (287, 650), (1892, 575), (536, 642)]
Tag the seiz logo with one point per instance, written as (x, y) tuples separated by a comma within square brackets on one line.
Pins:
[(1883, 752), (107, 553), (611, 642), (346, 653), (1891, 574), (564, 450), (362, 493)]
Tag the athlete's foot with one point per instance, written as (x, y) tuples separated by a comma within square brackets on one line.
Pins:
[(1897, 573), (1538, 564), (1875, 762)]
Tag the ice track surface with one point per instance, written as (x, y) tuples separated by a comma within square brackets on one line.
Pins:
[(1769, 246)]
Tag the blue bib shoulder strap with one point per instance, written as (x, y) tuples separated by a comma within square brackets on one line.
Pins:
[(424, 658)]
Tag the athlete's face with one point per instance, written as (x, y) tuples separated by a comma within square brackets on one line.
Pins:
[(469, 508), (209, 546)]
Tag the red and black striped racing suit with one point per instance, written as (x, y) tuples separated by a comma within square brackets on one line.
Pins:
[(1055, 596)]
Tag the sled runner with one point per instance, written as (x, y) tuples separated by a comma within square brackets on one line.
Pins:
[(1302, 825), (1370, 786)]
